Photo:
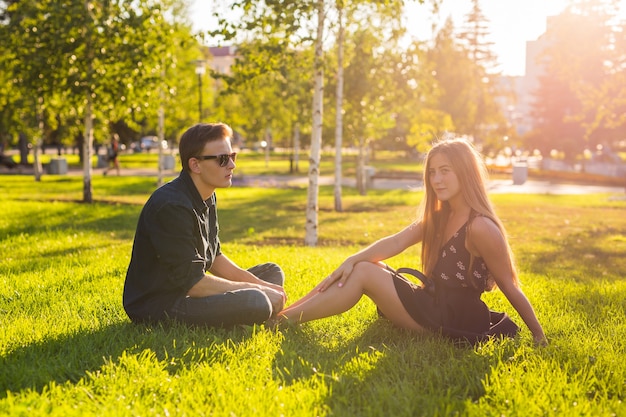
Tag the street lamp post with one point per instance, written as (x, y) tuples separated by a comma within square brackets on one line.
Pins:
[(200, 70)]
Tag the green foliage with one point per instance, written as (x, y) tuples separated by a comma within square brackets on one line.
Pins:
[(129, 58), (68, 349), (580, 99), (428, 126), (125, 58)]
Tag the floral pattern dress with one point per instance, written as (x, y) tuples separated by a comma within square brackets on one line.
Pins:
[(455, 302)]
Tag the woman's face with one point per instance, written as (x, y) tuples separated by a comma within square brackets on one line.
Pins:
[(442, 178)]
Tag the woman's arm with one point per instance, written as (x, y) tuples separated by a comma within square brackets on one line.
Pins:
[(486, 241), (378, 251)]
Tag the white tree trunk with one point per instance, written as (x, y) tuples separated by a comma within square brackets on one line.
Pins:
[(37, 168), (339, 112), (310, 238)]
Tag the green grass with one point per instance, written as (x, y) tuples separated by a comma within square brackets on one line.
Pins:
[(255, 163), (68, 349)]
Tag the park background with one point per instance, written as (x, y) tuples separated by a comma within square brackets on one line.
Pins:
[(75, 73)]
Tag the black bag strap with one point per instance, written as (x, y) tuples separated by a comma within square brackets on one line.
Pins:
[(427, 282)]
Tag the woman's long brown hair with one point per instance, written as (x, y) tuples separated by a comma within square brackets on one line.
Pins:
[(470, 169)]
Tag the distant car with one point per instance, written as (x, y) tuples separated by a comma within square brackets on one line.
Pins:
[(147, 143), (7, 161)]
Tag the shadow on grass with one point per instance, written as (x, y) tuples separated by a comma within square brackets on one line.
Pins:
[(278, 212), (386, 371), (584, 256), (34, 218), (383, 371), (241, 216), (69, 358)]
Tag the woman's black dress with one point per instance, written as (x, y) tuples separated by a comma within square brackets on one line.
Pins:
[(453, 304)]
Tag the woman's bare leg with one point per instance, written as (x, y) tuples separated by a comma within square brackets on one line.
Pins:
[(366, 279), (310, 294)]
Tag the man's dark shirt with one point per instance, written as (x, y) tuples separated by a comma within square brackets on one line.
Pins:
[(176, 241)]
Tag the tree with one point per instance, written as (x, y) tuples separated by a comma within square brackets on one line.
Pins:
[(296, 25), (299, 25), (579, 63), (374, 90), (486, 126), (85, 59), (475, 36), (339, 107), (310, 239), (454, 73), (603, 97), (268, 90)]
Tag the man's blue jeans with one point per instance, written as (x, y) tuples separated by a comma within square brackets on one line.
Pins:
[(249, 306)]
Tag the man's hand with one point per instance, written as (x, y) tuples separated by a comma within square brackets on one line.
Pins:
[(277, 299)]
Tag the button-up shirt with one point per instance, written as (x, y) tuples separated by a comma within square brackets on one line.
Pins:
[(176, 242)]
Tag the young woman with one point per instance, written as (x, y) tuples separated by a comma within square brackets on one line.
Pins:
[(464, 253)]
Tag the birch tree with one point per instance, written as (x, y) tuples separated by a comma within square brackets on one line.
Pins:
[(312, 205), (339, 109), (92, 54), (298, 24), (301, 24)]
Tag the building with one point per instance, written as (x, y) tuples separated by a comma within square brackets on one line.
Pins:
[(529, 83), (223, 58)]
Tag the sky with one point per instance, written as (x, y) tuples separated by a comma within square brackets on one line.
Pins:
[(511, 23)]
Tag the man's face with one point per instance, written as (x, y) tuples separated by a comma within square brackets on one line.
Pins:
[(209, 175)]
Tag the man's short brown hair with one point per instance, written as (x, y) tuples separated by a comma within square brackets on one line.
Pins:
[(193, 140)]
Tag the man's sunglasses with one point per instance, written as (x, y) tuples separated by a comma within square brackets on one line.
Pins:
[(221, 159)]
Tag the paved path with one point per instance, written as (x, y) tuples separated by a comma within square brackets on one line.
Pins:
[(494, 186), (548, 187)]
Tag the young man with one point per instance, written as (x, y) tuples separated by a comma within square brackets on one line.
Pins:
[(177, 269)]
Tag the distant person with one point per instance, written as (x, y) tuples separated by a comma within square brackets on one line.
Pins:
[(6, 160), (464, 253), (112, 155), (177, 269)]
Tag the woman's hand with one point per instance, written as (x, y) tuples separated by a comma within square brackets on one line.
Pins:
[(339, 276), (540, 340)]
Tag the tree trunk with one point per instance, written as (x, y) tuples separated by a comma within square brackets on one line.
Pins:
[(87, 151), (339, 115), (310, 238), (37, 168), (360, 169), (268, 145), (23, 146), (161, 139), (88, 136), (296, 147), (161, 125)]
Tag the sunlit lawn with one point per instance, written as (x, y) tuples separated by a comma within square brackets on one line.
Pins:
[(67, 348), (256, 163)]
